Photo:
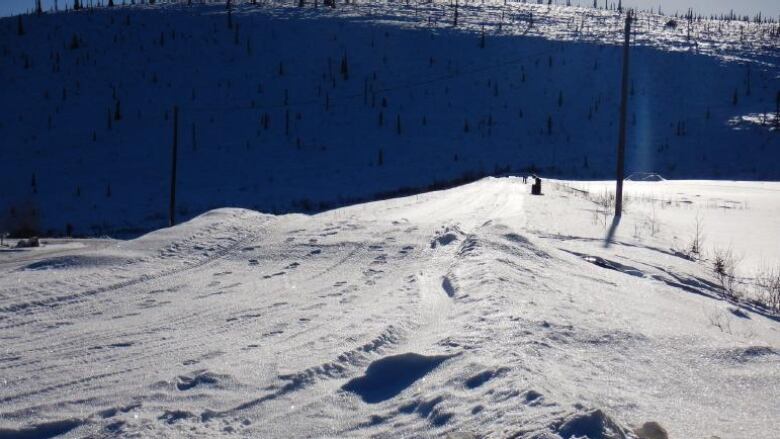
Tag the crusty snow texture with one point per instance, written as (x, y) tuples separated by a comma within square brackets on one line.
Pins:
[(479, 311)]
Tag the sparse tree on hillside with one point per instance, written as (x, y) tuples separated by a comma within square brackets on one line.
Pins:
[(19, 25), (344, 67)]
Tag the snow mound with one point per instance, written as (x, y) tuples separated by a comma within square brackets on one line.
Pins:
[(487, 375), (389, 376), (44, 430), (592, 425), (199, 379), (446, 236), (77, 261), (651, 430)]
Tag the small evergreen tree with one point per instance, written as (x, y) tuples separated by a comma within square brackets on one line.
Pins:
[(19, 25), (194, 138)]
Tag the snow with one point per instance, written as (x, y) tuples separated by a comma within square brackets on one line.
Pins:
[(405, 62), (478, 311), (287, 303), (741, 216)]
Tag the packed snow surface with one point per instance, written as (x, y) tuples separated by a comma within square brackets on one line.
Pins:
[(479, 311)]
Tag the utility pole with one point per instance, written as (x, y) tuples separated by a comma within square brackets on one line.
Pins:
[(455, 24), (172, 209), (621, 152)]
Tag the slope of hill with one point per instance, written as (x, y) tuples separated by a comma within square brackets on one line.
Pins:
[(478, 311), (298, 109)]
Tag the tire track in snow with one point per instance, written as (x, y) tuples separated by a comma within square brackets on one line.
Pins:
[(74, 297)]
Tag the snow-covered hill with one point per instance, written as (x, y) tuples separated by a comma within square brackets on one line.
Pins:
[(270, 120), (474, 312)]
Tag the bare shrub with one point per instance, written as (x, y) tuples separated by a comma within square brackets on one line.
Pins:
[(605, 204), (724, 266), (653, 223), (768, 284), (697, 240)]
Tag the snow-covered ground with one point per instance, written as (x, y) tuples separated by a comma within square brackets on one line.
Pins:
[(479, 311), (270, 121)]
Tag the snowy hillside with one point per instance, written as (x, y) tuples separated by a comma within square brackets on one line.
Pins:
[(478, 311), (288, 109)]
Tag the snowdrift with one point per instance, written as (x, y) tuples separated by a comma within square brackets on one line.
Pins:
[(478, 311)]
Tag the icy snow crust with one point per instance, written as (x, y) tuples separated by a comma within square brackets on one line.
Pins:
[(478, 311), (269, 122)]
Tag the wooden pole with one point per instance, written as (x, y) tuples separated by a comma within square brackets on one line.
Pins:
[(172, 209), (621, 152), (455, 24)]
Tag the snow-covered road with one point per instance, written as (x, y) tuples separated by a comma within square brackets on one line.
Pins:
[(478, 311)]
